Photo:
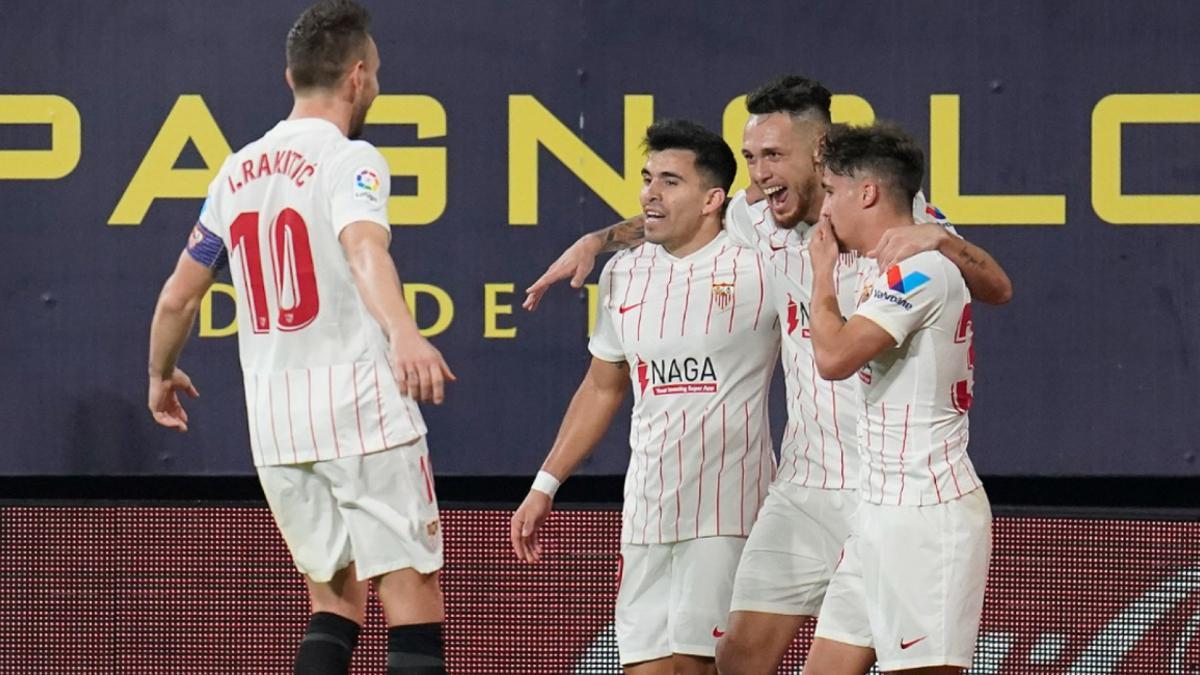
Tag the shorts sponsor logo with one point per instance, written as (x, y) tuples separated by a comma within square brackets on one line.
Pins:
[(367, 185), (717, 632), (432, 528), (906, 644)]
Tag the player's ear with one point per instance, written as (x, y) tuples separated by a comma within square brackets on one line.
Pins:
[(713, 200), (287, 76), (870, 194)]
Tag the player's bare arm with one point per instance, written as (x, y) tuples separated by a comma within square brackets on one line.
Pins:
[(174, 315), (579, 259), (418, 366), (985, 278), (588, 416), (841, 347)]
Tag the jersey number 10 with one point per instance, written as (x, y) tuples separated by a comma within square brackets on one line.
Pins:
[(292, 262)]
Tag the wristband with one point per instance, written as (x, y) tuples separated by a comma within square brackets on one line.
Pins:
[(546, 483)]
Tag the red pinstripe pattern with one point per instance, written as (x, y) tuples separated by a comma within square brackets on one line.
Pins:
[(337, 446), (938, 490), (644, 470), (662, 321), (882, 445), (379, 405), (687, 299), (708, 320), (271, 407), (745, 451), (634, 467), (700, 482), (287, 387), (254, 422), (721, 469), (406, 402), (679, 484), (661, 479), (762, 291), (867, 420), (428, 480), (733, 305), (953, 474), (903, 447), (357, 408), (312, 426), (642, 307), (629, 285), (837, 434)]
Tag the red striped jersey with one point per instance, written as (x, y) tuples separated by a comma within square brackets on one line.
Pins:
[(700, 336), (913, 424), (819, 447), (315, 362)]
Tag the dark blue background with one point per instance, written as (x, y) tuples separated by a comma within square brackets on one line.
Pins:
[(1092, 370)]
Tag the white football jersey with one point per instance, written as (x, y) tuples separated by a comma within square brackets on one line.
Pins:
[(700, 336), (318, 380), (819, 446), (913, 430)]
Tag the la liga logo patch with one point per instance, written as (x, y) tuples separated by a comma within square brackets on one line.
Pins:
[(367, 185)]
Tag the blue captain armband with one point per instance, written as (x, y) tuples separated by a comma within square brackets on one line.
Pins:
[(207, 248)]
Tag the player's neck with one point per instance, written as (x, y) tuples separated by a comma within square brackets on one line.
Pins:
[(327, 108), (703, 235), (881, 223)]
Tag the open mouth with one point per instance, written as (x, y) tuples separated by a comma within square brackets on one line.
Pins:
[(653, 216), (776, 195)]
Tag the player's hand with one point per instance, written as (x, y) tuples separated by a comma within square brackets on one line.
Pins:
[(823, 248), (901, 243), (164, 399), (575, 263), (420, 369), (527, 520)]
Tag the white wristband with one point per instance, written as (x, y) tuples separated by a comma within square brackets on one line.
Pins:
[(546, 483)]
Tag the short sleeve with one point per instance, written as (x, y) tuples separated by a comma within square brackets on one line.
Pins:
[(924, 212), (906, 297), (741, 217), (604, 344), (360, 190)]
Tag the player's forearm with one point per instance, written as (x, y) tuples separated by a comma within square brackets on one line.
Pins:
[(379, 286), (827, 324), (588, 416), (628, 233), (985, 278), (169, 329)]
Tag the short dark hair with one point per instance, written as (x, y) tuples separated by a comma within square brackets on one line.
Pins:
[(883, 149), (324, 40), (714, 159), (791, 94)]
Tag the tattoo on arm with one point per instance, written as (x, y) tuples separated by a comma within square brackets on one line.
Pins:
[(969, 260), (625, 234)]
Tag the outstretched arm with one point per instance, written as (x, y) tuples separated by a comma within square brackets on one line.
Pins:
[(591, 411), (174, 314), (579, 259), (418, 366), (985, 278)]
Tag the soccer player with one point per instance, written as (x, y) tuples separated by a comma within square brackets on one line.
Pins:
[(330, 354), (797, 540), (909, 589), (685, 319)]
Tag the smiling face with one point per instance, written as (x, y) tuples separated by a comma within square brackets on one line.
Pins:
[(677, 200), (780, 155)]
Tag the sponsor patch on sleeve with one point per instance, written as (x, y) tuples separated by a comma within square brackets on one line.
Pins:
[(367, 186)]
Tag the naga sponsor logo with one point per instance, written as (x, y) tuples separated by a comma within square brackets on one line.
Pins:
[(797, 317), (689, 375)]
